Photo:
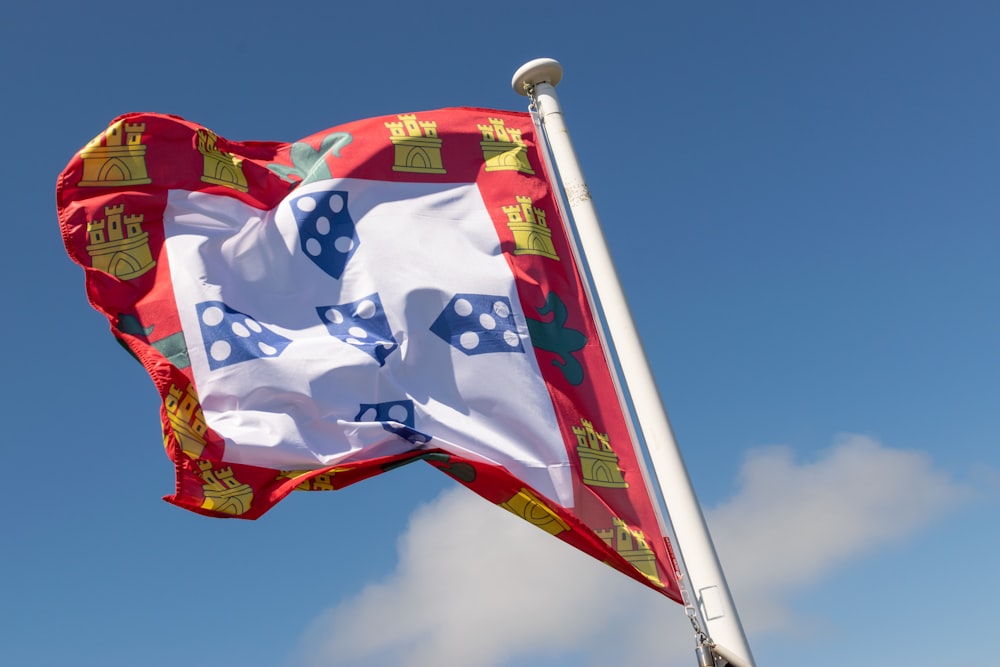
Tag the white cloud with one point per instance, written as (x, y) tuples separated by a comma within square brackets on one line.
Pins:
[(477, 587), (791, 523)]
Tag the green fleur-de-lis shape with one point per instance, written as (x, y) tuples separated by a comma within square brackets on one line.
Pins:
[(172, 347), (554, 336), (308, 163), (457, 469)]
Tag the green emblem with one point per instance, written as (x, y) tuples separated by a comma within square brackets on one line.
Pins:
[(554, 336), (308, 163), (172, 347), (440, 460)]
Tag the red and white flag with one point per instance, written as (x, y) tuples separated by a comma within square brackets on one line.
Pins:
[(389, 290)]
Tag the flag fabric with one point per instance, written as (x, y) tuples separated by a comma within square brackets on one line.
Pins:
[(389, 290)]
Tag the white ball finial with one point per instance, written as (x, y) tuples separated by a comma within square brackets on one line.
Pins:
[(540, 70)]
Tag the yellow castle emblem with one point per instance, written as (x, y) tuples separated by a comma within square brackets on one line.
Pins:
[(598, 462), (223, 492), (220, 168), (118, 245), (503, 149), (527, 505), (321, 482), (632, 546), (186, 419), (531, 235), (116, 157), (417, 145)]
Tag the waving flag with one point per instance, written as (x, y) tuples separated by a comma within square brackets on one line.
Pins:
[(389, 290)]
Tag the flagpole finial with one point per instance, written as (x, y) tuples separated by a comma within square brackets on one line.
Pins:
[(540, 70)]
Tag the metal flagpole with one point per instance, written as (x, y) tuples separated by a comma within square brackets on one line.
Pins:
[(537, 80)]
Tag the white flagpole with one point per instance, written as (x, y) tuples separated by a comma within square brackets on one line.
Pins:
[(537, 79)]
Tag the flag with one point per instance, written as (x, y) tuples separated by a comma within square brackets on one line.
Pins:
[(389, 290)]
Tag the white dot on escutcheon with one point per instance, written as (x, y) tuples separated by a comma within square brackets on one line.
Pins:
[(463, 307), (212, 315), (220, 350), (366, 309), (336, 203), (469, 340), (344, 243), (398, 413)]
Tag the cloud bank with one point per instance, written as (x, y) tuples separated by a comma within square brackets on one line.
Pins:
[(477, 587)]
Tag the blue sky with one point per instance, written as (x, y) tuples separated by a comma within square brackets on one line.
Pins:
[(802, 200)]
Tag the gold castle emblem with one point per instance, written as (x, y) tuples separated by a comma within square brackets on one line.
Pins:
[(186, 419), (116, 157), (526, 505), (118, 245), (321, 482), (417, 145), (598, 462), (223, 492), (220, 168), (632, 546), (503, 148), (531, 235)]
